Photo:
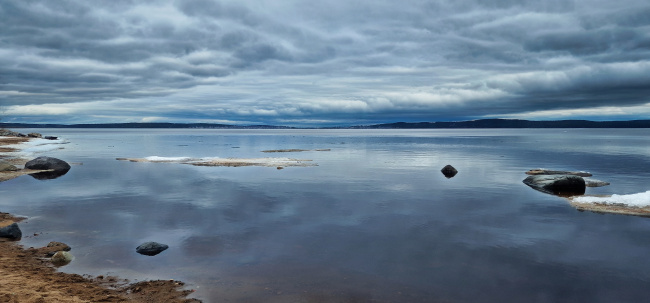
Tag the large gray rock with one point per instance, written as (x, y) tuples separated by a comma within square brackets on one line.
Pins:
[(11, 232), (561, 185), (58, 167), (151, 248), (48, 163)]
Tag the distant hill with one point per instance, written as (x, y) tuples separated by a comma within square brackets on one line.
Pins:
[(513, 123), (139, 125), (483, 123)]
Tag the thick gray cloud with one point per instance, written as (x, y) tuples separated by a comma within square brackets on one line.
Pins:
[(321, 63)]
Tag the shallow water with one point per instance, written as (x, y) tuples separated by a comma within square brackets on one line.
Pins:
[(375, 221)]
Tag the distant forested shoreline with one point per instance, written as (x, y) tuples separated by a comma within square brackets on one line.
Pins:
[(482, 123)]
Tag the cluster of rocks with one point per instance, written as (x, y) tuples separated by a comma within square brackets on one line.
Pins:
[(52, 168), (59, 252), (9, 133)]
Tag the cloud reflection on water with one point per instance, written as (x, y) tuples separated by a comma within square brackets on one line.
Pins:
[(371, 221)]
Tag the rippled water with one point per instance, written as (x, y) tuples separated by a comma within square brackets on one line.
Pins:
[(375, 221)]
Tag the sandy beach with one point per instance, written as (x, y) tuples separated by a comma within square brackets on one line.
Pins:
[(28, 275)]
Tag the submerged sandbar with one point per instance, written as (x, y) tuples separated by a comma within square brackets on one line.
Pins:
[(230, 162)]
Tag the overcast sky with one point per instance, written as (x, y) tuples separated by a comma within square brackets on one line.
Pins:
[(327, 62)]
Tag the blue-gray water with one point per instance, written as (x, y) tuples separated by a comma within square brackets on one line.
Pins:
[(375, 221)]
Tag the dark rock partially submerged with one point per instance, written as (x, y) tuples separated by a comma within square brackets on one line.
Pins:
[(561, 185), (56, 167), (449, 171), (48, 163), (11, 232), (151, 248)]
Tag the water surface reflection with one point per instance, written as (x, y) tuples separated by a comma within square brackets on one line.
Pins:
[(376, 221)]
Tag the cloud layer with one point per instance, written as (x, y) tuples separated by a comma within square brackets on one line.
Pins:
[(323, 63)]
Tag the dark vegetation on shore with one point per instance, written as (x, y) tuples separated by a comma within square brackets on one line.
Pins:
[(482, 123)]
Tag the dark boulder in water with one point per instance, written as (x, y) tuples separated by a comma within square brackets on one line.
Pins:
[(151, 248), (11, 232), (48, 163), (561, 185), (449, 171), (58, 167)]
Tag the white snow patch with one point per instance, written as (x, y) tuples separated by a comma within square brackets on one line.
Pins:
[(169, 159), (36, 146), (216, 161), (636, 200)]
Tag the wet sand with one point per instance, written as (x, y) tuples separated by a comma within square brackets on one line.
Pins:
[(28, 275)]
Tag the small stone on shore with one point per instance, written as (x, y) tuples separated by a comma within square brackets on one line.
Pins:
[(4, 166), (61, 258), (54, 247)]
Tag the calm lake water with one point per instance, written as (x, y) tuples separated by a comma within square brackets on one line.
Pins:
[(375, 221)]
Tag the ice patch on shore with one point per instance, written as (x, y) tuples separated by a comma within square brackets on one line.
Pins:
[(169, 159), (216, 161), (636, 200), (36, 146)]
